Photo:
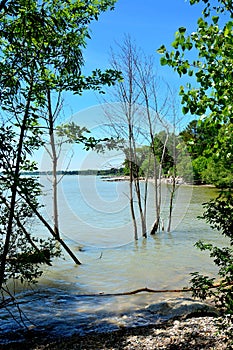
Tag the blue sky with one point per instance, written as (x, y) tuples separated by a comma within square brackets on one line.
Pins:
[(150, 24)]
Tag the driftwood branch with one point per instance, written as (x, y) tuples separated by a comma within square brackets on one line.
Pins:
[(149, 290)]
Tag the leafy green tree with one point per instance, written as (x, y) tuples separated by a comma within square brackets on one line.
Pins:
[(196, 136), (211, 97), (205, 144), (40, 54), (219, 215)]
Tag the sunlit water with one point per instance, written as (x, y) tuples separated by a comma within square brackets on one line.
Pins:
[(96, 224)]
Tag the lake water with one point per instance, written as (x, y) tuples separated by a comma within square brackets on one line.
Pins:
[(96, 224)]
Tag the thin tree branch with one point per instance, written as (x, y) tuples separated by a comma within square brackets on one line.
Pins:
[(149, 290)]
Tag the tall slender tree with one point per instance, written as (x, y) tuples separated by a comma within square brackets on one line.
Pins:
[(137, 116), (41, 47)]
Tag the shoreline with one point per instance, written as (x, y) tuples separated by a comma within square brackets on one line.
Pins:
[(167, 181), (190, 333), (192, 323)]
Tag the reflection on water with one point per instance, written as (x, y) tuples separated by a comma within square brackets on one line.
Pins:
[(94, 214)]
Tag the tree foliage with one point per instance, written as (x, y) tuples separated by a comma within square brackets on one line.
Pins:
[(209, 96), (205, 144), (26, 252)]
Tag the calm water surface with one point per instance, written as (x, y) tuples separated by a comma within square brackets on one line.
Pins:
[(96, 224)]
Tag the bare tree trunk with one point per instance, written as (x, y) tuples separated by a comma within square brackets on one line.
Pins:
[(148, 86), (139, 88), (174, 156), (172, 194), (129, 101), (138, 190), (141, 212), (146, 187), (131, 201), (54, 165), (54, 155), (174, 186), (131, 175), (155, 225), (157, 195)]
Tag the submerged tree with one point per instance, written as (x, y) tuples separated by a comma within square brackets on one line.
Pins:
[(54, 137), (124, 121), (139, 114), (41, 52), (211, 99)]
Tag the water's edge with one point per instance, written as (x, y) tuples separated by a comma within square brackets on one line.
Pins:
[(49, 325)]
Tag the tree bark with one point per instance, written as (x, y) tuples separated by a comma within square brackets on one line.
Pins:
[(171, 202), (131, 179), (54, 166)]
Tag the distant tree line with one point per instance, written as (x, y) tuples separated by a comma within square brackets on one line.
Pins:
[(101, 172)]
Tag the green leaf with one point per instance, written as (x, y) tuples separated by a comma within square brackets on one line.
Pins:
[(215, 19), (182, 30), (162, 49), (185, 110), (190, 72), (163, 61)]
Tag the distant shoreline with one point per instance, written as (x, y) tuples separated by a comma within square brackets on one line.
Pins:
[(96, 172), (110, 176), (167, 181)]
